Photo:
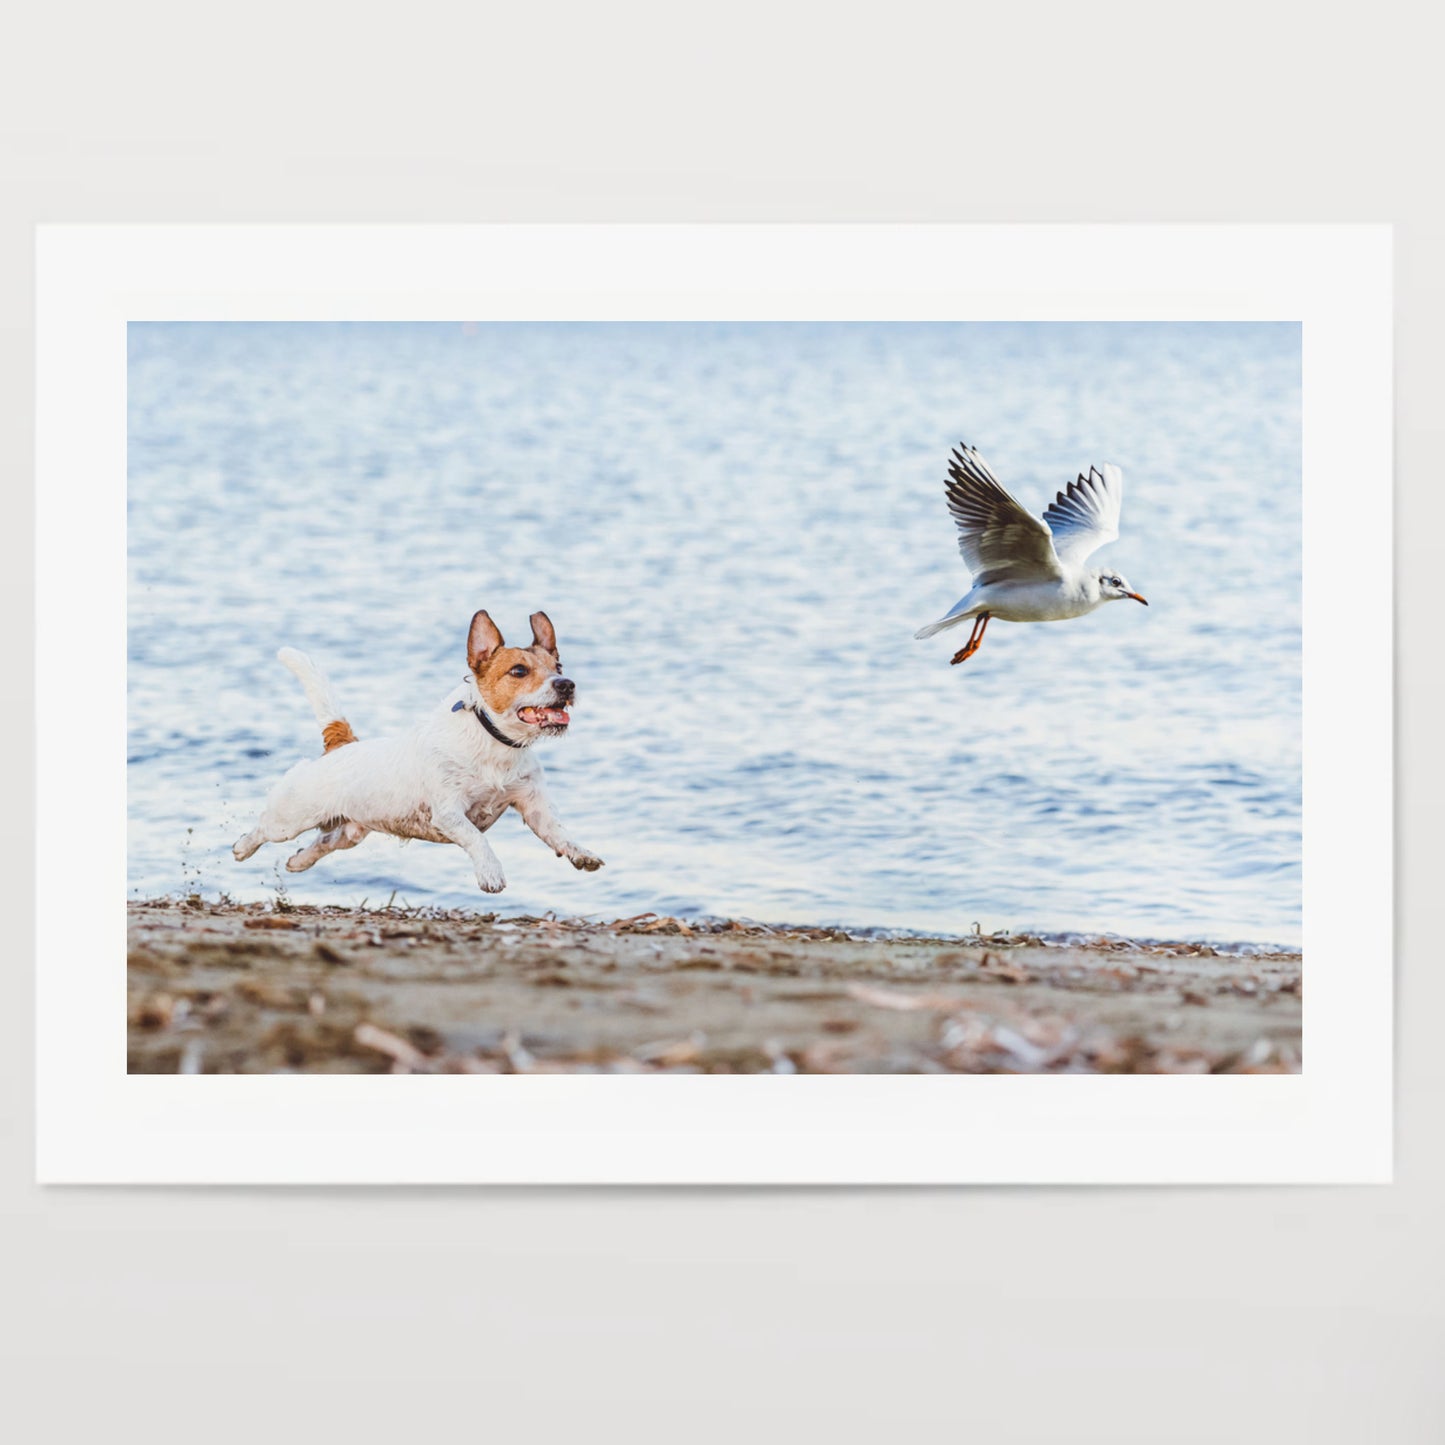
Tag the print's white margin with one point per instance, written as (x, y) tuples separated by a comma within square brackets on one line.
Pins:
[(97, 1124)]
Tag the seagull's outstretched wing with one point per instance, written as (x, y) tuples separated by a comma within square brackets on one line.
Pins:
[(1086, 515), (1000, 541)]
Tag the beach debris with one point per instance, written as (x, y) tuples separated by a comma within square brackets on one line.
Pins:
[(1005, 970), (156, 1012), (669, 1055), (453, 991), (828, 1058), (1266, 1056), (651, 923), (782, 1060), (265, 994), (902, 1001), (980, 1044), (519, 1060), (406, 1057)]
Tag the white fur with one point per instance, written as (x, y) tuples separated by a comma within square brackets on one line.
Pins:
[(314, 681), (445, 780)]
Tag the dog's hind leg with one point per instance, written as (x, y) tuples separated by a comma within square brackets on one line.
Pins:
[(275, 826), (243, 848), (345, 835)]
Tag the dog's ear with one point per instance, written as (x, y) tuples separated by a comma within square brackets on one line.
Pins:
[(483, 639), (544, 635)]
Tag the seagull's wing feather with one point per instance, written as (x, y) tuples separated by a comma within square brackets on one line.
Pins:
[(1085, 515), (1000, 542)]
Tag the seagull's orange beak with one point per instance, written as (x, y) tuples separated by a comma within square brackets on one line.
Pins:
[(1137, 598)]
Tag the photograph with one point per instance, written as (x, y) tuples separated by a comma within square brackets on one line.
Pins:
[(700, 680), (671, 697)]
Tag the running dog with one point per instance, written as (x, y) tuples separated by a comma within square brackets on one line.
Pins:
[(445, 780)]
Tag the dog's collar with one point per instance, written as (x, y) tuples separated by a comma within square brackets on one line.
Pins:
[(486, 722)]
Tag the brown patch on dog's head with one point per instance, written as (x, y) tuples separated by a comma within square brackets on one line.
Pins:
[(520, 685), (484, 637)]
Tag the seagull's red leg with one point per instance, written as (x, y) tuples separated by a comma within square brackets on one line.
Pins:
[(970, 647), (975, 641)]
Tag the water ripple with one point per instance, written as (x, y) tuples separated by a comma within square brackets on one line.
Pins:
[(736, 529)]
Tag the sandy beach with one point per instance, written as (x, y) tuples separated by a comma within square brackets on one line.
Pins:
[(253, 988)]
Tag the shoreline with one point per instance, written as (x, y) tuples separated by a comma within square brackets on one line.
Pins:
[(399, 905), (250, 987)]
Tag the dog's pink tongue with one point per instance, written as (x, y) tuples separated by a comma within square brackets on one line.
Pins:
[(545, 717)]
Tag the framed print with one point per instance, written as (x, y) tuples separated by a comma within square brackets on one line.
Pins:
[(714, 704)]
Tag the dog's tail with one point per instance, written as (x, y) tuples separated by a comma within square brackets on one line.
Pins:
[(335, 730)]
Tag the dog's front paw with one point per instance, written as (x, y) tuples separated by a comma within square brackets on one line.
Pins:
[(581, 858), (492, 882)]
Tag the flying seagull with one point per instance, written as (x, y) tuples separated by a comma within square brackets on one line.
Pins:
[(1024, 571)]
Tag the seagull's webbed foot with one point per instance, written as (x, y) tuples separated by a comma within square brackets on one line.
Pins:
[(975, 641)]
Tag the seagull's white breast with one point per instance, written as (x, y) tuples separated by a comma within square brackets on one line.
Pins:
[(1050, 601)]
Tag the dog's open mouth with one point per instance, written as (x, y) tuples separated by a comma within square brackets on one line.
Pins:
[(549, 719)]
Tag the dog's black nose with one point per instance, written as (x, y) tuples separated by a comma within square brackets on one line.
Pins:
[(565, 688)]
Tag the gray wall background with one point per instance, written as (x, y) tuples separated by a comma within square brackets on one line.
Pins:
[(989, 1314)]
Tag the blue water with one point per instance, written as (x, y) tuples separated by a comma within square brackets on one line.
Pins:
[(736, 530)]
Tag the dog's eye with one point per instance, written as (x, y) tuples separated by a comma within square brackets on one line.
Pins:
[(518, 671)]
